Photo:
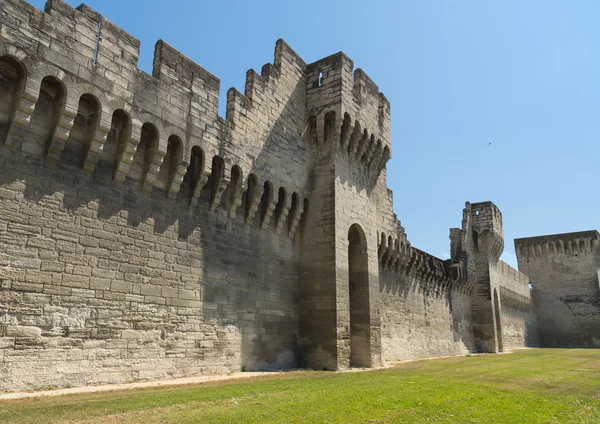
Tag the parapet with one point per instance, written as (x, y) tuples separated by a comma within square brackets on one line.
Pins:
[(81, 65), (81, 23), (486, 221), (346, 105), (582, 242), (457, 273)]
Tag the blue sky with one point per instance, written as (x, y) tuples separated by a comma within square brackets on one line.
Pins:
[(522, 75)]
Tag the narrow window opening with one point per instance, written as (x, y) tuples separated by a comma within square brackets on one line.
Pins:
[(320, 79)]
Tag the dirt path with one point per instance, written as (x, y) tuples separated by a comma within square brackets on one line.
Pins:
[(177, 381), (136, 385)]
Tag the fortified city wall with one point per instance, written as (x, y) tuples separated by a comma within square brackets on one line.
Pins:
[(142, 236)]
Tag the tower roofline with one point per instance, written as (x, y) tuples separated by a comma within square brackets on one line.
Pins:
[(591, 234)]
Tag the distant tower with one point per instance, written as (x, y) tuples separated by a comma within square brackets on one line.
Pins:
[(565, 271), (488, 244)]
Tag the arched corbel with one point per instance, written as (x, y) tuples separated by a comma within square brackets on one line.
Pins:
[(61, 133), (201, 181), (347, 128), (127, 151), (283, 213), (157, 155), (271, 203), (355, 139), (177, 178), (221, 183), (235, 196), (97, 143), (254, 199), (362, 147), (296, 219), (23, 112)]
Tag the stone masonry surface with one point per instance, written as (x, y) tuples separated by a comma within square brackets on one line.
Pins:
[(142, 236), (564, 270)]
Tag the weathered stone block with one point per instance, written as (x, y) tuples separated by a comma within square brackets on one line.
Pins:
[(23, 331)]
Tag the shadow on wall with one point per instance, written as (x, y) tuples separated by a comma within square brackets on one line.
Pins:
[(407, 289), (226, 238)]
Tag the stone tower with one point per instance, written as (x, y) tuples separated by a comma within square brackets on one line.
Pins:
[(488, 244), (564, 271), (349, 132)]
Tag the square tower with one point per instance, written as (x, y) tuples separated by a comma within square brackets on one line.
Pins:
[(349, 137)]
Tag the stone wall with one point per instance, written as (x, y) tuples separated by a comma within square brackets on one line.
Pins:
[(563, 269), (512, 287), (100, 284), (143, 236), (420, 319)]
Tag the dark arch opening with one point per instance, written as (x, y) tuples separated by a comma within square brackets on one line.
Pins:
[(499, 346), (12, 84), (354, 137), (193, 173), (145, 152), (345, 133), (46, 114), (358, 280), (368, 151), (83, 131), (117, 138), (329, 127), (171, 162)]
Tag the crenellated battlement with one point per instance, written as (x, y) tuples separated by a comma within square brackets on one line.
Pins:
[(487, 230), (396, 254), (583, 242), (135, 220), (79, 98), (345, 105), (90, 66)]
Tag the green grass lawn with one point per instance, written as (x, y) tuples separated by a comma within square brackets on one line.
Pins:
[(531, 386)]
